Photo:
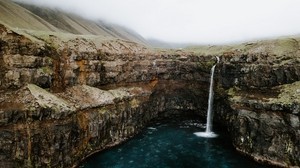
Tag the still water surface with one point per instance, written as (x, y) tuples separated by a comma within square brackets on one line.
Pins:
[(172, 144)]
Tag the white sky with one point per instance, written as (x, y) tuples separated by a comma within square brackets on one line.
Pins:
[(195, 21)]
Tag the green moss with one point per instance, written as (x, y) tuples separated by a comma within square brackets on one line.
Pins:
[(233, 91), (281, 50), (208, 50), (205, 66), (103, 110), (47, 70), (286, 47), (48, 60), (289, 93), (234, 94)]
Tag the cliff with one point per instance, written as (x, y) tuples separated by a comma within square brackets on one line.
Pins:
[(258, 101), (65, 96)]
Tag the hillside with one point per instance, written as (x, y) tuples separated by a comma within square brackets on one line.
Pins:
[(29, 17)]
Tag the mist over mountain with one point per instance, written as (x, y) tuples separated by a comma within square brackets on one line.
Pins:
[(25, 16), (171, 45), (203, 22), (167, 23)]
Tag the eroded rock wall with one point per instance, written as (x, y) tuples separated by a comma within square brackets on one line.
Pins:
[(23, 61), (54, 62), (265, 127), (261, 104), (58, 130), (258, 70), (64, 99)]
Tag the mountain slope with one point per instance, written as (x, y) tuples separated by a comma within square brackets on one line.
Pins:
[(18, 17), (24, 16)]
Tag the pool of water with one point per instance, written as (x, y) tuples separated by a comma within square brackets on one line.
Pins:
[(172, 144)]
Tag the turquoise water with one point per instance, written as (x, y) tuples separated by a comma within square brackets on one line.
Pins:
[(172, 144)]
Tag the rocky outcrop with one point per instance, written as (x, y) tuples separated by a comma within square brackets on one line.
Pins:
[(261, 107), (40, 129), (261, 65), (266, 126), (59, 62)]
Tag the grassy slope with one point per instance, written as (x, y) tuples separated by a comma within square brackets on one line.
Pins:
[(21, 16), (18, 17), (287, 46)]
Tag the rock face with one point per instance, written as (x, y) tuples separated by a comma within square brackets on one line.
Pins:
[(64, 99), (266, 127), (62, 63), (256, 69), (261, 109), (57, 130)]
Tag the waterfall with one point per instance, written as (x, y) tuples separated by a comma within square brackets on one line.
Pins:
[(209, 119)]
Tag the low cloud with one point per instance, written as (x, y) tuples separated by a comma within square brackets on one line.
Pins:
[(192, 21)]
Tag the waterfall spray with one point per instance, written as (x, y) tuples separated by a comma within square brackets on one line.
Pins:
[(208, 131)]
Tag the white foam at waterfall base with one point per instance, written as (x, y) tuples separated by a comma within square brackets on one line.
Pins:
[(208, 132)]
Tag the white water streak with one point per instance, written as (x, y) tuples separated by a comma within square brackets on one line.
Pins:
[(209, 120)]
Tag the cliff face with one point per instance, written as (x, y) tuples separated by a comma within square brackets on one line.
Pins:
[(64, 98), (262, 65), (266, 126), (262, 101)]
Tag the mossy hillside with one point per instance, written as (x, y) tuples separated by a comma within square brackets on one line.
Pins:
[(58, 39), (279, 51)]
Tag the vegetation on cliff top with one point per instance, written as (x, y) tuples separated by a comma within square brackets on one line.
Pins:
[(287, 46)]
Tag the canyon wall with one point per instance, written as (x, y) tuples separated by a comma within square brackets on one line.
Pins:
[(64, 97), (262, 101)]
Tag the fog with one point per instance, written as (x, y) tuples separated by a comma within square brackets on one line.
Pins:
[(192, 21)]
